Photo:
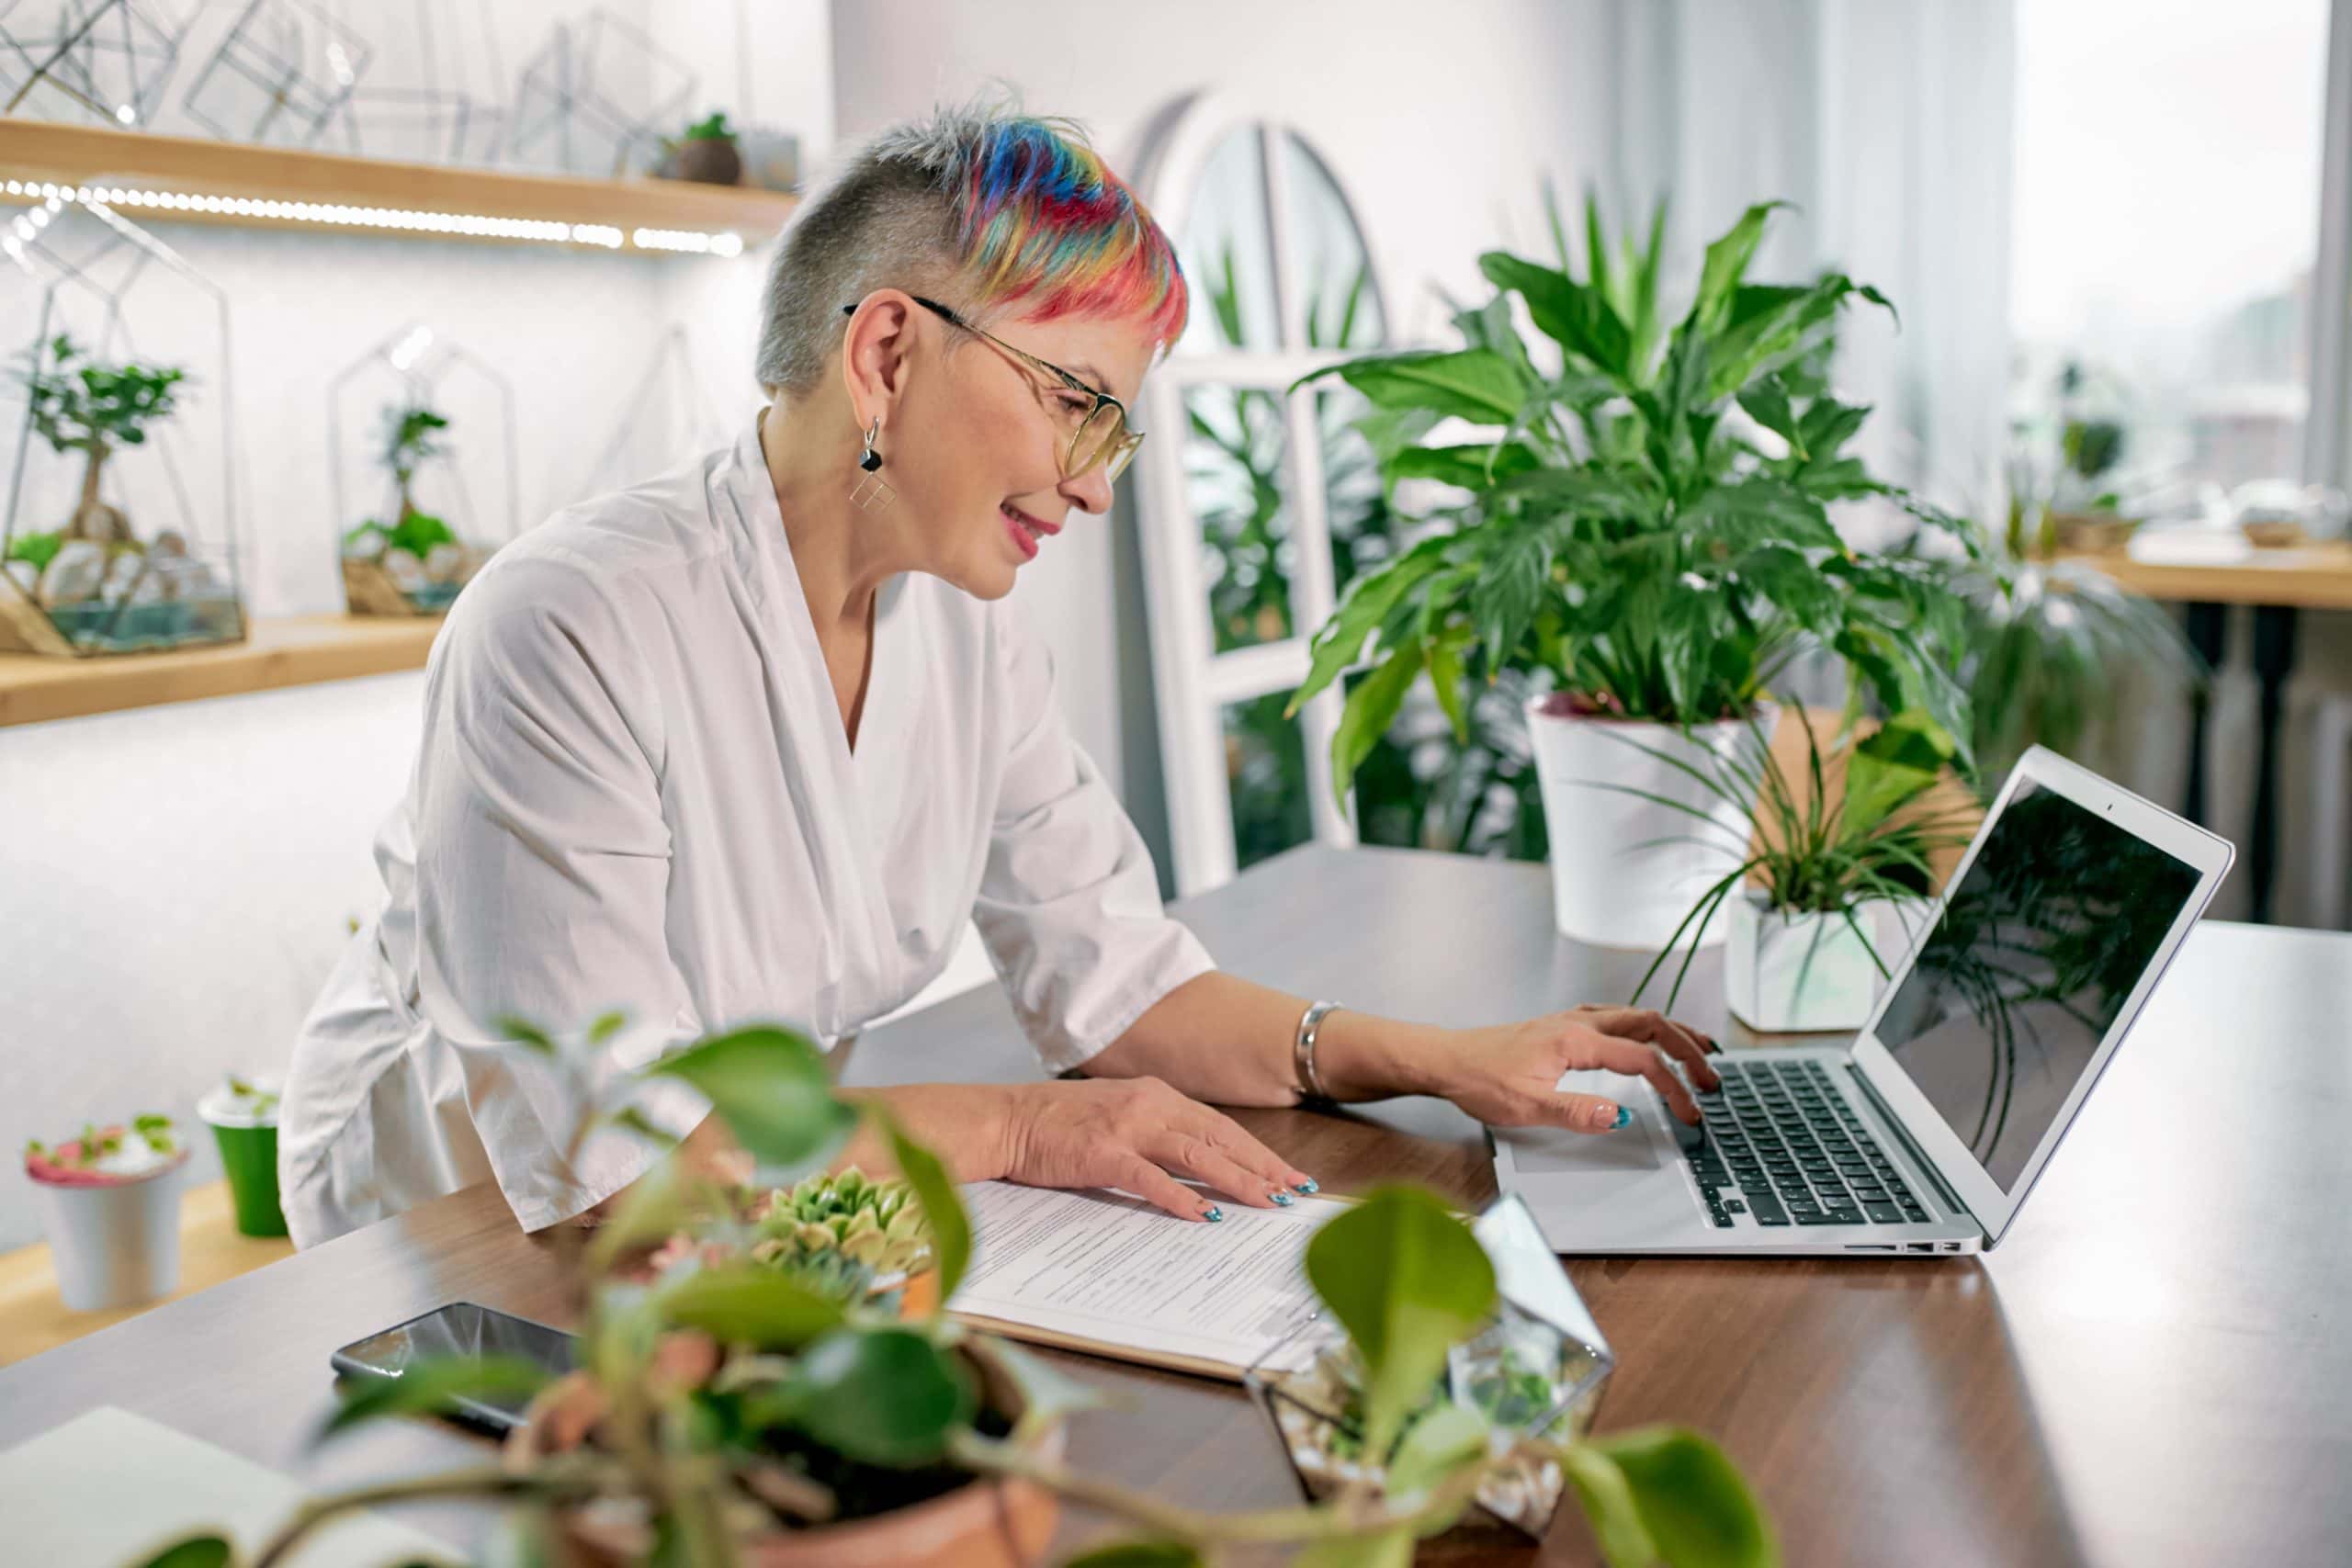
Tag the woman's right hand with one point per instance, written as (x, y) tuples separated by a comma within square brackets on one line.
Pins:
[(1132, 1134)]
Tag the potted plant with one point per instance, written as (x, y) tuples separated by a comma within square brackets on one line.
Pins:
[(244, 1119), (1836, 884), (1648, 527), (111, 1211), (93, 585), (729, 1411), (416, 564), (707, 152)]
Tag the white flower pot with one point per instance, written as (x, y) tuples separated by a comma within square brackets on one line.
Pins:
[(1790, 970), (116, 1243), (1624, 869)]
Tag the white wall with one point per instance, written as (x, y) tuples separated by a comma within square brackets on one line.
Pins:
[(175, 882), (1439, 123)]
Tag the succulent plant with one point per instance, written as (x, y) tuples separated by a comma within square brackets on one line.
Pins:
[(878, 1224)]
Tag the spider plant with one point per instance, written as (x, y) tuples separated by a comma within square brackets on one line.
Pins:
[(1855, 828)]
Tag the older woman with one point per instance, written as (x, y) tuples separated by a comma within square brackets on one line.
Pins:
[(758, 738)]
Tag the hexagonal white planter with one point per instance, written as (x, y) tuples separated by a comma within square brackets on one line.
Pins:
[(1793, 970)]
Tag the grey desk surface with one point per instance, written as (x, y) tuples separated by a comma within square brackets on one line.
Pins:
[(2152, 1370)]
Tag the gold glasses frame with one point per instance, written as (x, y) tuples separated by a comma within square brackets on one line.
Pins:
[(1115, 448)]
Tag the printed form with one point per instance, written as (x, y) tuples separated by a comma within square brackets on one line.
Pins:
[(1113, 1270)]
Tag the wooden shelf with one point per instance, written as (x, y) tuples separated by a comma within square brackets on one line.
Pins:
[(2310, 577), (299, 651), (84, 156)]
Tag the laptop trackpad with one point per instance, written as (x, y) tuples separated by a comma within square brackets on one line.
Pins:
[(1639, 1145)]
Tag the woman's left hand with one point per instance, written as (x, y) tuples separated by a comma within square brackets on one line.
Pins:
[(1508, 1074)]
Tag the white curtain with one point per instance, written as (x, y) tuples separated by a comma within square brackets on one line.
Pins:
[(1887, 122)]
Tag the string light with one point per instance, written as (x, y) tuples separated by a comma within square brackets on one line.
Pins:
[(601, 236)]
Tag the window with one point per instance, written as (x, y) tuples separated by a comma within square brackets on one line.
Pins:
[(2166, 227)]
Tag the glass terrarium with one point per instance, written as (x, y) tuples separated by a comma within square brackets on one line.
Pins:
[(118, 534), (426, 432), (1536, 1371)]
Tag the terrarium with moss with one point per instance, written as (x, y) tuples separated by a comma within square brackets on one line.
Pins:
[(119, 532)]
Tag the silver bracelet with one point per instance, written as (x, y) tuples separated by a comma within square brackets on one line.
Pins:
[(1302, 1052)]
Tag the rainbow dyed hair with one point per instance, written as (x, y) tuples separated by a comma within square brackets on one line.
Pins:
[(996, 211)]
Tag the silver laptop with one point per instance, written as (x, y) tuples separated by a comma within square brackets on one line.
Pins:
[(1925, 1134)]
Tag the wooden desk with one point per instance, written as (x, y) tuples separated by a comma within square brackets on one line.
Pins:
[(2150, 1371), (2308, 577)]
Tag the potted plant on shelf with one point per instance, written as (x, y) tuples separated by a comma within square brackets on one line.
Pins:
[(1836, 884), (1648, 526), (415, 565), (111, 1211), (707, 152), (730, 1409), (93, 585)]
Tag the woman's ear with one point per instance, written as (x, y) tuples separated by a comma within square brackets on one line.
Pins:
[(876, 350)]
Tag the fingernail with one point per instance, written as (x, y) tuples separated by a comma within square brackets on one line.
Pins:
[(1310, 1185), (1213, 1215), (1282, 1199), (1624, 1116)]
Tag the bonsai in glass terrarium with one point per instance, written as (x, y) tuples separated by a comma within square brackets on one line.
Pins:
[(104, 548), (416, 549), (1535, 1372)]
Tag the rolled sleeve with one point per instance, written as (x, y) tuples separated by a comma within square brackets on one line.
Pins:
[(1069, 905), (543, 863)]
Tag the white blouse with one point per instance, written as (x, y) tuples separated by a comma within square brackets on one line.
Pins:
[(634, 791)]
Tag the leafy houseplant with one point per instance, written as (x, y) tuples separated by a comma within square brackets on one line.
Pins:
[(110, 1209), (1841, 874), (1657, 555), (707, 152), (415, 564), (726, 1411)]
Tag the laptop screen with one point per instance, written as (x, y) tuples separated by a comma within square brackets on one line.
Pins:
[(2036, 950)]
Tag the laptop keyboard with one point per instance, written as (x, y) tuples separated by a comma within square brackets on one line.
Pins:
[(1780, 1143)]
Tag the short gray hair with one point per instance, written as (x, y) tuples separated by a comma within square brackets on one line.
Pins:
[(979, 203)]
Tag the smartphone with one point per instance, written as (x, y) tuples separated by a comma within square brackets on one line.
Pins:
[(462, 1328)]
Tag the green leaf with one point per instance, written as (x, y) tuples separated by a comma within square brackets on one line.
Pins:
[(769, 1085), (1445, 680), (883, 1396), (1767, 403), (1476, 384), (1138, 1554), (1609, 1508), (943, 1209), (1508, 592), (1406, 1280), (523, 1031), (1893, 766), (1048, 1396), (195, 1551), (1370, 710), (1442, 1442), (1340, 640), (432, 1387), (1691, 1499), (1474, 466), (1727, 264), (607, 1025), (1571, 314), (749, 1303)]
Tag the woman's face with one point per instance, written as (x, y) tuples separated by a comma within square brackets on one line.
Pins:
[(975, 442)]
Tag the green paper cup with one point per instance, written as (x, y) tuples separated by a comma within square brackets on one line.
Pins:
[(246, 1126)]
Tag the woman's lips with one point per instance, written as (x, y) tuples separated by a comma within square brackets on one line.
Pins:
[(1026, 530)]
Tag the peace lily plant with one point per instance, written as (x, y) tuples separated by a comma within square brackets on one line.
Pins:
[(1641, 517), (730, 1409)]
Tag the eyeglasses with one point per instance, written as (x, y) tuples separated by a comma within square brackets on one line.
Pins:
[(1099, 433)]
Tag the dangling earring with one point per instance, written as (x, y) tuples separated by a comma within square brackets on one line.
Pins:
[(871, 493)]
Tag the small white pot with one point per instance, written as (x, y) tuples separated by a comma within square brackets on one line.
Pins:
[(115, 1244), (1795, 970), (1615, 882)]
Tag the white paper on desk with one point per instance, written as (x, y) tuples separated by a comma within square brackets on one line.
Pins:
[(110, 1488), (1103, 1267)]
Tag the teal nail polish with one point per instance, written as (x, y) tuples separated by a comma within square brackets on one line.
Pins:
[(1212, 1215), (1282, 1199), (1624, 1116), (1310, 1185)]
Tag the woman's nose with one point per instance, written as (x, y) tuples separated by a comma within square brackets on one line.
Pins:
[(1090, 491)]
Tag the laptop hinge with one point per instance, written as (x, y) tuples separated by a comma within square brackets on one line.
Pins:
[(1903, 1135)]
